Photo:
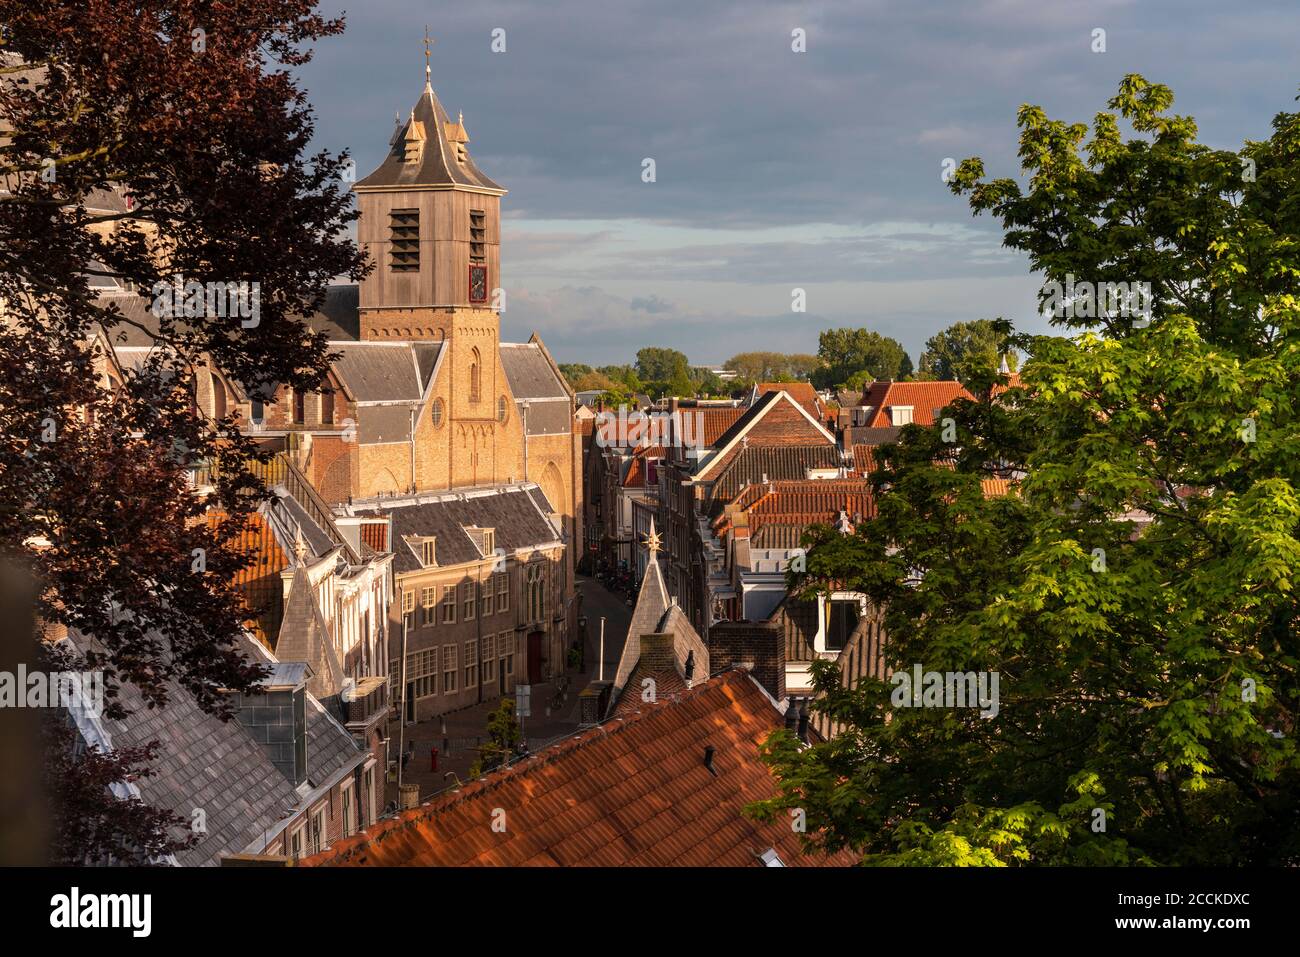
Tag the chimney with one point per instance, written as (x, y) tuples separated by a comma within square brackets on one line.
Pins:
[(709, 752), (276, 717), (657, 651), (803, 720), (758, 646), (792, 715)]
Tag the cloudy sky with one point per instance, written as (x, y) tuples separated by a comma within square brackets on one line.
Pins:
[(774, 169)]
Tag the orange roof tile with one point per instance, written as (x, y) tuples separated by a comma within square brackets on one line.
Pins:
[(801, 392), (633, 791), (925, 398)]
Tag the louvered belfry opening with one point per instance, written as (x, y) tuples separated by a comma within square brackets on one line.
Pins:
[(404, 237)]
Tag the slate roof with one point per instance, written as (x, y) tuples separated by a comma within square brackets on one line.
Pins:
[(513, 511), (437, 165), (202, 762), (630, 792), (868, 435), (530, 373), (305, 636), (652, 603), (384, 372), (340, 315)]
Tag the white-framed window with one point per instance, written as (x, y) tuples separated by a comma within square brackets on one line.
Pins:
[(422, 673), (471, 663), (489, 659), (345, 805), (295, 842), (900, 414), (367, 802), (467, 601), (506, 651), (429, 606), (485, 597), (408, 601), (449, 605), (448, 669), (489, 541), (429, 552), (317, 831), (503, 591), (536, 591)]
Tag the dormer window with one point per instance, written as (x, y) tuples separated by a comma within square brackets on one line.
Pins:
[(489, 541), (428, 552), (462, 157), (900, 414)]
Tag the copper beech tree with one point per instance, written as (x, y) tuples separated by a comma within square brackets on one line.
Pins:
[(140, 142)]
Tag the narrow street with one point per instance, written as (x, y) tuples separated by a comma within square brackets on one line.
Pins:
[(457, 735)]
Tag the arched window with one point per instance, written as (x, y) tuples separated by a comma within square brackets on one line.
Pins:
[(218, 396), (502, 407), (475, 370)]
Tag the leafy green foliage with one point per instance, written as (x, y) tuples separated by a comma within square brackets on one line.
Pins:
[(963, 351), (1136, 591), (844, 352)]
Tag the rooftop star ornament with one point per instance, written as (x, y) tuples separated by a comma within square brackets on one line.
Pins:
[(652, 541)]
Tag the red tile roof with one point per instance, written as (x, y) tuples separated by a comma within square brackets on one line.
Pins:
[(716, 421), (630, 792), (801, 392), (638, 470), (925, 398)]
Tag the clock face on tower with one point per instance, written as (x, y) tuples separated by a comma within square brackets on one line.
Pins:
[(478, 283)]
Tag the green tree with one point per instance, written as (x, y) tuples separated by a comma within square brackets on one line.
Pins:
[(503, 738), (573, 371), (654, 363), (843, 352), (965, 350), (1136, 593)]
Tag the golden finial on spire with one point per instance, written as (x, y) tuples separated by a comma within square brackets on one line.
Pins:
[(427, 72)]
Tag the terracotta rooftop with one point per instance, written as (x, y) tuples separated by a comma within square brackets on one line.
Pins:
[(801, 392), (925, 398), (633, 791)]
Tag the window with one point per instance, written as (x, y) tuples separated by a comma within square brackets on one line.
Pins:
[(299, 412), (900, 414), (506, 649), (408, 601), (404, 240), (429, 552), (503, 591), (485, 597), (327, 408), (345, 801), (435, 414), (295, 843), (475, 367), (448, 669), (841, 619), (489, 541), (471, 663), (449, 605), (422, 673), (318, 831), (467, 600), (428, 606), (367, 802), (536, 591), (477, 234), (489, 659), (502, 407)]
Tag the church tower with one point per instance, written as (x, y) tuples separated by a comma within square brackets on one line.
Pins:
[(431, 223)]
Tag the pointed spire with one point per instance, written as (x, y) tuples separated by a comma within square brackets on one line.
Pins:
[(428, 72), (1004, 368), (299, 545), (652, 542)]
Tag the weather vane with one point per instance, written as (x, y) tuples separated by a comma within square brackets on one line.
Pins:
[(427, 42)]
